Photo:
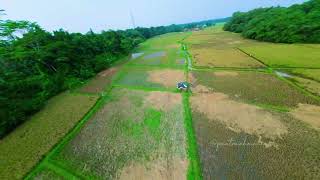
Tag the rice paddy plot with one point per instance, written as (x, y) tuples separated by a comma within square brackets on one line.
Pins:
[(252, 87), (242, 141), (165, 79), (22, 149), (217, 38), (211, 57), (136, 135), (307, 84), (286, 55)]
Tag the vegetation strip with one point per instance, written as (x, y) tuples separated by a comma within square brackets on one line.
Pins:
[(194, 170), (68, 137)]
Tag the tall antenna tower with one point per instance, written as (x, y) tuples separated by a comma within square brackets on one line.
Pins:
[(132, 20)]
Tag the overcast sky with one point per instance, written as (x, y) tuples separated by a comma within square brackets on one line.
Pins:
[(81, 15)]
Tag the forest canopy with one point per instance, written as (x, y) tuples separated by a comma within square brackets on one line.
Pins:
[(295, 24)]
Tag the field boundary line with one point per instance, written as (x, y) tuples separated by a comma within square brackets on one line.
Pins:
[(60, 171), (298, 75), (194, 169), (309, 68), (60, 164), (276, 67), (69, 136), (296, 86), (253, 57)]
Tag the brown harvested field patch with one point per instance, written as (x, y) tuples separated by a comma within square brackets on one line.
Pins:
[(163, 101), (100, 82), (166, 77), (212, 57), (156, 170), (238, 116), (309, 114)]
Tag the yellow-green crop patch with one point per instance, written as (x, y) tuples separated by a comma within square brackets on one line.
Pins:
[(252, 87), (136, 134), (286, 55), (211, 57), (22, 149)]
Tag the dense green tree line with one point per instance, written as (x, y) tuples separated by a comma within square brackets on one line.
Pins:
[(36, 65), (297, 23)]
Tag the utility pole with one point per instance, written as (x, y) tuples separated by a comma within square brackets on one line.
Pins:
[(132, 20)]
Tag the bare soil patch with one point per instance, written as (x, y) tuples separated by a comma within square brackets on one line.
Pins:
[(163, 101), (156, 170), (167, 78), (309, 114), (238, 116)]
